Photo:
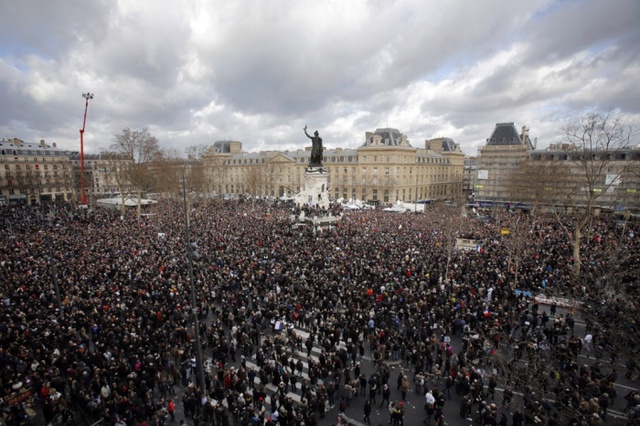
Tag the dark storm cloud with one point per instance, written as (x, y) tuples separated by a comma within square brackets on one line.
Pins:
[(48, 28), (582, 26), (196, 72)]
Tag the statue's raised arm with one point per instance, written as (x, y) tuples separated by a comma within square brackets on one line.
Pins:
[(305, 132)]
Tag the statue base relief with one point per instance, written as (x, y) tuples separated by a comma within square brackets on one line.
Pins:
[(312, 169), (316, 188)]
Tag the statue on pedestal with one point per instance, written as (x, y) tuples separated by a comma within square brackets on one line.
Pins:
[(316, 148)]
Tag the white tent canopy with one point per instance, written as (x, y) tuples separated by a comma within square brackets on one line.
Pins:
[(128, 202)]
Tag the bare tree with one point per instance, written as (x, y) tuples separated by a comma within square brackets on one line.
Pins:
[(140, 150), (612, 275), (197, 179), (367, 184), (516, 232), (607, 299), (388, 185), (255, 178), (215, 173), (593, 142), (273, 176), (197, 152), (117, 167), (449, 220), (540, 184), (171, 167), (168, 172)]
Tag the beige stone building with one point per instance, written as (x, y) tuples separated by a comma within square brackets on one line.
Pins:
[(384, 169), (34, 173), (512, 171)]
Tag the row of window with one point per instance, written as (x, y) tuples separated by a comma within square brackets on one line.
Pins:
[(36, 166), (36, 174), (372, 194), (50, 190), (30, 152), (16, 159), (618, 156), (34, 186), (340, 159), (387, 170), (239, 174), (365, 193)]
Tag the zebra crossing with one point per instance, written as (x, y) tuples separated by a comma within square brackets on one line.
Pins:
[(299, 355)]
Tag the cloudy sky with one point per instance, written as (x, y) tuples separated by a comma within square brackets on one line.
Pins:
[(197, 71)]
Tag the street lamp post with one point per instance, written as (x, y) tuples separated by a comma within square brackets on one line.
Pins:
[(52, 259), (83, 195), (194, 309), (415, 198)]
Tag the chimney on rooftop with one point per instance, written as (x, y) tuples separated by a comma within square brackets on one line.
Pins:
[(54, 145), (42, 144)]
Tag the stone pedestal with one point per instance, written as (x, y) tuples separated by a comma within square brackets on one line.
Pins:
[(316, 190)]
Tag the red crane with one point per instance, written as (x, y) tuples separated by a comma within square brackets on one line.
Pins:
[(83, 195)]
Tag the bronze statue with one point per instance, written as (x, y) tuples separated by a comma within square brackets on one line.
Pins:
[(316, 148)]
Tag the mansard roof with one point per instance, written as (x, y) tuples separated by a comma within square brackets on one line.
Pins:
[(505, 134), (386, 136), (442, 145), (448, 145), (222, 147)]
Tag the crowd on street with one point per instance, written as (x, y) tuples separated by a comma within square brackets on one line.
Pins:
[(97, 316)]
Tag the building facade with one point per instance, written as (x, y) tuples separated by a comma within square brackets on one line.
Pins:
[(512, 171), (34, 173), (384, 169), (610, 179), (470, 176), (104, 176), (503, 152)]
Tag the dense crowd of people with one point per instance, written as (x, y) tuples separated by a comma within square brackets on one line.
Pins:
[(116, 340)]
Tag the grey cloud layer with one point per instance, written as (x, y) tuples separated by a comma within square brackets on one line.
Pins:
[(197, 71)]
